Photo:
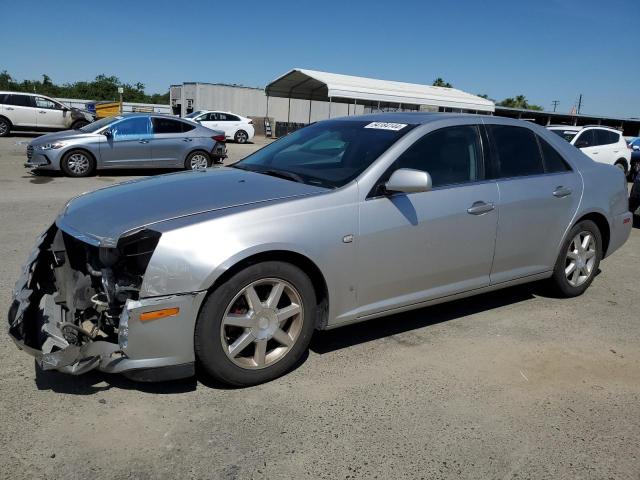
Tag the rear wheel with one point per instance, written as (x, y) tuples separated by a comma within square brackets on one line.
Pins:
[(257, 325), (578, 260), (198, 160), (622, 165), (5, 127), (241, 136), (78, 163)]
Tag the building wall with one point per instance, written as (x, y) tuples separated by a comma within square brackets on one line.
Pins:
[(252, 102)]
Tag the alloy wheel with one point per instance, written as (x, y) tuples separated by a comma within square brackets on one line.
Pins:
[(199, 162), (580, 259), (79, 163), (241, 137), (262, 323), (4, 128)]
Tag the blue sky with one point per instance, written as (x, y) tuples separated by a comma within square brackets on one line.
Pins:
[(545, 49)]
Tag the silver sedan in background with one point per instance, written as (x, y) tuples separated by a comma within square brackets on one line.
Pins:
[(137, 140), (340, 222)]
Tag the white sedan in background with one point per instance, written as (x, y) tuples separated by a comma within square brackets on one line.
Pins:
[(235, 127)]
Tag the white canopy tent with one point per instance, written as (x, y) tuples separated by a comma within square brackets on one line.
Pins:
[(323, 86)]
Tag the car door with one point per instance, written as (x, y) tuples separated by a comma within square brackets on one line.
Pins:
[(538, 199), (128, 145), (20, 110), (49, 114), (209, 120), (420, 246), (228, 124), (170, 143)]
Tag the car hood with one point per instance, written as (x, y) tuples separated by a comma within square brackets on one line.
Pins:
[(65, 135), (103, 216)]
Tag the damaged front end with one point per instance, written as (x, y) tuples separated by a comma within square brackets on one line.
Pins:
[(69, 305)]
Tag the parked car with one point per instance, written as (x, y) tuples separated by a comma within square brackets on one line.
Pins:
[(130, 140), (33, 112), (634, 168), (339, 222), (235, 127), (602, 144)]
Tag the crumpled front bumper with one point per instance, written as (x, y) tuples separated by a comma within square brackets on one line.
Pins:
[(153, 350)]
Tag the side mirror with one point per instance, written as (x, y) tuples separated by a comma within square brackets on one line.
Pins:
[(581, 144), (108, 133), (407, 180)]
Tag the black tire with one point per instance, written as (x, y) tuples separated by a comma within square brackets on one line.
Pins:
[(208, 341), (201, 153), (66, 164), (78, 124), (241, 137), (5, 127), (559, 281), (621, 163)]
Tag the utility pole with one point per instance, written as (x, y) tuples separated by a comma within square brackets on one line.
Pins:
[(555, 104), (120, 92), (579, 103)]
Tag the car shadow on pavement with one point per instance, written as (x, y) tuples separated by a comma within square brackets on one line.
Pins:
[(330, 340), (94, 382)]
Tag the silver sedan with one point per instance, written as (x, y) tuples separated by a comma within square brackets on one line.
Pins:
[(340, 222), (137, 140)]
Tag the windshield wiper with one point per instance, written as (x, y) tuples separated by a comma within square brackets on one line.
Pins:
[(282, 174)]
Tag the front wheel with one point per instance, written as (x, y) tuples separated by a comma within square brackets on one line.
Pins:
[(78, 163), (622, 165), (197, 161), (257, 325), (578, 260)]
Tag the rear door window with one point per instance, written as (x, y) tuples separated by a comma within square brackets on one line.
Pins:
[(516, 152), (606, 137), (42, 102), (166, 125)]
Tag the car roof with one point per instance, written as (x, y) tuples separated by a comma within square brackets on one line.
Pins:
[(4, 92), (420, 118), (579, 128)]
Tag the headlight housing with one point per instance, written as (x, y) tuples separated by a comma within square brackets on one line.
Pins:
[(51, 146)]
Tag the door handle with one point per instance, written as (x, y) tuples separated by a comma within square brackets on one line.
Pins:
[(10, 108), (42, 111), (561, 192), (187, 139), (143, 141), (478, 208)]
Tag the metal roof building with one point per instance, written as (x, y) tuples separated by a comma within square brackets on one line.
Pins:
[(311, 85)]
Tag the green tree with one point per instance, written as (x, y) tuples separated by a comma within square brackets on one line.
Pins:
[(519, 101), (439, 82), (103, 87)]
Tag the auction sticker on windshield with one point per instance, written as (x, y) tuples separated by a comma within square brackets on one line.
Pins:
[(386, 126)]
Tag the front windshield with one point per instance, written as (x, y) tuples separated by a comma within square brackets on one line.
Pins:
[(97, 125), (328, 154), (194, 114), (566, 134)]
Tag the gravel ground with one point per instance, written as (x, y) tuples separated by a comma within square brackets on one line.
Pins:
[(511, 384)]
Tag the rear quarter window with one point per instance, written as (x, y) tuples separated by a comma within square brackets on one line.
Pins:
[(553, 161)]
